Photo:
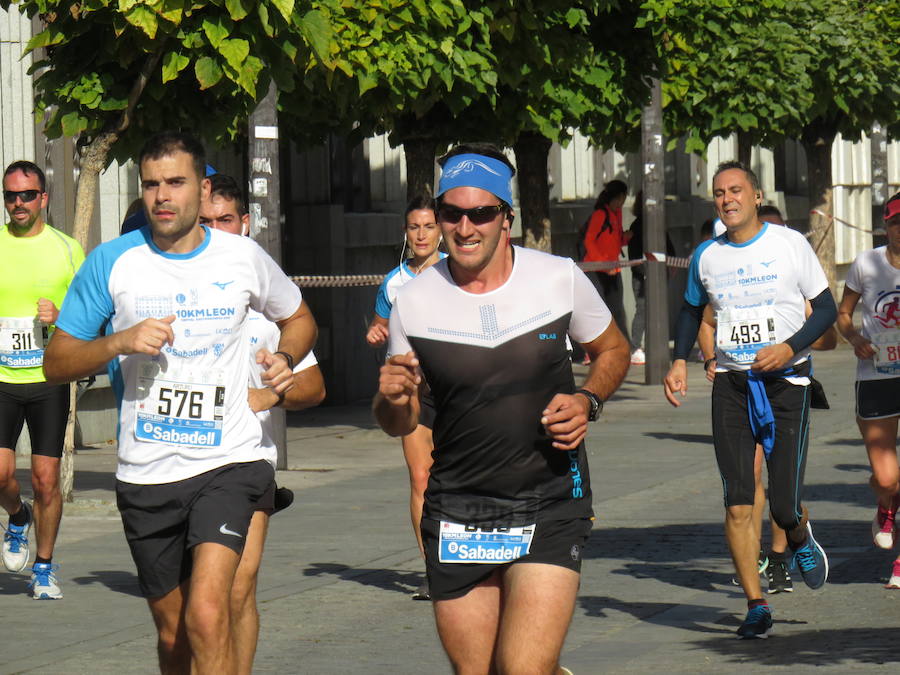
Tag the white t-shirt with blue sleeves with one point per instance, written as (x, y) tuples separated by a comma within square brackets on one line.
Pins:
[(185, 411), (757, 289), (387, 291)]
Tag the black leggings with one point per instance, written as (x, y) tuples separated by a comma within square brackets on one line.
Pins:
[(736, 447), (610, 288)]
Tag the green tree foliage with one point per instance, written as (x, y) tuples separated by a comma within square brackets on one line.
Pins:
[(205, 62), (776, 69)]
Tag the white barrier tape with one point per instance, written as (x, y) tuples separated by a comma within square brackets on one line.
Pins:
[(877, 230), (350, 280)]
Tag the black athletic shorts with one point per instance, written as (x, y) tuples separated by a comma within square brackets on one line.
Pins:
[(557, 543), (44, 406), (164, 522), (427, 411), (267, 501), (878, 399), (736, 447)]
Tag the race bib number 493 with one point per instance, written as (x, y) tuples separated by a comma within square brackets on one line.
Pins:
[(742, 333), (470, 544), (182, 407)]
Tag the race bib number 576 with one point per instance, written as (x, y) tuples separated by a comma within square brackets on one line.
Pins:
[(181, 407)]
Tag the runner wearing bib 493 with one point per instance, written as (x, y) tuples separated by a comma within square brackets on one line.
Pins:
[(757, 278)]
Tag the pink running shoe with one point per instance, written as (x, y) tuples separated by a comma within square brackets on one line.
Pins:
[(895, 576), (883, 527)]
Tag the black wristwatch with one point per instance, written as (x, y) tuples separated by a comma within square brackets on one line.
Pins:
[(595, 401), (288, 358)]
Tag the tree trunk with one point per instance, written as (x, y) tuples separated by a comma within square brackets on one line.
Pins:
[(817, 139), (420, 154), (745, 147), (532, 152), (92, 163)]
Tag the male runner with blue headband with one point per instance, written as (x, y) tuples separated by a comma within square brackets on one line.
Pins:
[(508, 505)]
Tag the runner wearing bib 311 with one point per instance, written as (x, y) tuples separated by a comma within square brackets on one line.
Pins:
[(874, 280), (38, 264), (757, 279)]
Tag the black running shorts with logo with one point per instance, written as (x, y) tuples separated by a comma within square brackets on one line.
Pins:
[(163, 522), (45, 407), (736, 447), (555, 542), (878, 399)]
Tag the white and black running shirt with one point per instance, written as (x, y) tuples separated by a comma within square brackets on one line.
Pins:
[(493, 362)]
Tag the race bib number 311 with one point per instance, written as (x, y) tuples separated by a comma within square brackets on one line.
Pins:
[(22, 341), (469, 544), (182, 407)]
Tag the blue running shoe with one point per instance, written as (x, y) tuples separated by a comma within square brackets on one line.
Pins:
[(812, 562), (44, 585), (15, 543), (757, 625)]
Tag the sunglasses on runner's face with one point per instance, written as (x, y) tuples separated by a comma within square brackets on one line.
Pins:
[(480, 215), (10, 196)]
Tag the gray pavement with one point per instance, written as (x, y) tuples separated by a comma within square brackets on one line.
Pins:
[(341, 563)]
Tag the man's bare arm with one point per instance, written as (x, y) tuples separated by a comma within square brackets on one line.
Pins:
[(396, 405)]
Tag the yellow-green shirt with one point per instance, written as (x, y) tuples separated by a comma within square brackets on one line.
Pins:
[(31, 268)]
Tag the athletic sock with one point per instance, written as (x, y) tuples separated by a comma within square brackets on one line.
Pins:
[(759, 602), (776, 555), (20, 517), (39, 559)]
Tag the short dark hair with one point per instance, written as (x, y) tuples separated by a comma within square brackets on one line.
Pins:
[(166, 143), (734, 164), (27, 168), (227, 187), (769, 210), (418, 202), (486, 149)]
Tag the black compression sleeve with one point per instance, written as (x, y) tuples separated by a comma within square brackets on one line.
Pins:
[(686, 328), (824, 313)]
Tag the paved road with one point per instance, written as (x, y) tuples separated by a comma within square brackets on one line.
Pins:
[(341, 563)]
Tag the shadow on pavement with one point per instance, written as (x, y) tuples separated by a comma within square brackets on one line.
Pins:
[(15, 584), (670, 553), (656, 613), (706, 439), (118, 581), (844, 647), (388, 580)]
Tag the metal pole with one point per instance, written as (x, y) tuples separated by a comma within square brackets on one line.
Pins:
[(265, 201), (657, 340)]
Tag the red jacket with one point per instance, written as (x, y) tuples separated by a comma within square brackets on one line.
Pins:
[(604, 237)]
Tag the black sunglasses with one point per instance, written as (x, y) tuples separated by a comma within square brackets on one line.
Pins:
[(480, 215), (10, 196)]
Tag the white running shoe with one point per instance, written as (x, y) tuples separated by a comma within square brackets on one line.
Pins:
[(44, 585), (883, 528), (15, 543), (894, 581), (638, 358)]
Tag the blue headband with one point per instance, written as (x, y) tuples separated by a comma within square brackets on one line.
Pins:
[(478, 171)]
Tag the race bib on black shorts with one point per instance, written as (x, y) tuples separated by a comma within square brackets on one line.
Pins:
[(459, 543)]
